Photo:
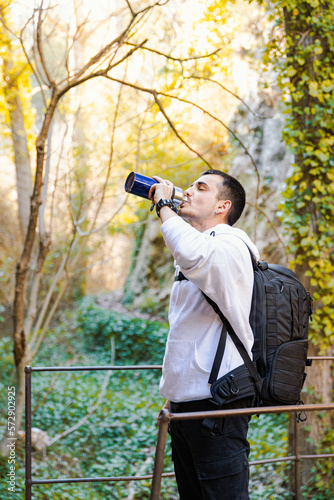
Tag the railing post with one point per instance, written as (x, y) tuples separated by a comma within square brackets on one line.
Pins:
[(159, 454), (297, 459), (28, 484)]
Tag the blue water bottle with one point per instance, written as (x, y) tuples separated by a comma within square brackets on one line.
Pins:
[(140, 185)]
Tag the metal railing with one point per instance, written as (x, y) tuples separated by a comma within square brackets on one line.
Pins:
[(29, 481), (164, 418)]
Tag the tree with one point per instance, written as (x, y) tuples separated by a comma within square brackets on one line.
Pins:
[(14, 77), (58, 75), (302, 49)]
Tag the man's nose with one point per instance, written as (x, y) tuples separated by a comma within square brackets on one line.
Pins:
[(188, 192)]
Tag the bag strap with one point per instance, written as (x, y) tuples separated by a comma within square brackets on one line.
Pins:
[(219, 355), (238, 344), (227, 327)]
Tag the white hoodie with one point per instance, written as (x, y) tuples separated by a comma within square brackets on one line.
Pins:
[(218, 263)]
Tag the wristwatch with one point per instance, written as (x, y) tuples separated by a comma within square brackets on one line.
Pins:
[(165, 203)]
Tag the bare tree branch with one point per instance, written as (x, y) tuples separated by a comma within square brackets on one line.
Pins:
[(259, 209), (111, 154), (130, 8), (175, 131), (176, 59), (102, 72), (83, 420), (38, 50), (219, 121), (30, 62), (98, 56), (155, 94), (230, 92), (49, 295)]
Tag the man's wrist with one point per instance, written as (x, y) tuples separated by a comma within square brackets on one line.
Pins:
[(165, 203)]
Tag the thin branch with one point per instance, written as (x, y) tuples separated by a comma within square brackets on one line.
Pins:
[(130, 8), (219, 121), (135, 18), (42, 230), (48, 297), (29, 60), (89, 414), (175, 131), (97, 57), (60, 295), (126, 56), (155, 94), (230, 92), (3, 22), (49, 318), (39, 46), (176, 59), (95, 230), (190, 160), (56, 179), (259, 209), (102, 72), (139, 134), (110, 162)]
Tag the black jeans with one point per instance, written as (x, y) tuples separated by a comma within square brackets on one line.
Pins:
[(210, 466)]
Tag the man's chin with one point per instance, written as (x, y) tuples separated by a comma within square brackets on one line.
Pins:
[(184, 213)]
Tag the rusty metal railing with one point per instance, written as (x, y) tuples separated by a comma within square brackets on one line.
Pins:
[(164, 418), (29, 481)]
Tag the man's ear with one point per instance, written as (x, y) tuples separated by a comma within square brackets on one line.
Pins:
[(223, 207)]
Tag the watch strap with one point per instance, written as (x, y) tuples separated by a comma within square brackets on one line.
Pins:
[(165, 203)]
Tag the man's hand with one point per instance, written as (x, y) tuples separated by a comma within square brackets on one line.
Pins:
[(163, 190)]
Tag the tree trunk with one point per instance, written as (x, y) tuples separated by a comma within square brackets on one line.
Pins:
[(21, 152), (21, 352), (319, 382)]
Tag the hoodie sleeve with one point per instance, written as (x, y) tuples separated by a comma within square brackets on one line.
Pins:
[(210, 262)]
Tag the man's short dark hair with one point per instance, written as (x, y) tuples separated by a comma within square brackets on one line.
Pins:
[(230, 189)]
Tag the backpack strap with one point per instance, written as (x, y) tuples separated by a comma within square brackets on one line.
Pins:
[(222, 339), (219, 355), (227, 327), (238, 344)]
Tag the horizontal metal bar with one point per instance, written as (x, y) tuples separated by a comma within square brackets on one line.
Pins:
[(246, 411), (98, 479), (125, 367), (321, 358), (165, 474), (289, 459), (89, 368), (273, 460)]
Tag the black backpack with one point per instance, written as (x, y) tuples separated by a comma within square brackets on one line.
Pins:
[(279, 318)]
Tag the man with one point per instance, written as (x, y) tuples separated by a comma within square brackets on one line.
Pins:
[(215, 260)]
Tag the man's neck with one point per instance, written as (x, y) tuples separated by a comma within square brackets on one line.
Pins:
[(203, 226)]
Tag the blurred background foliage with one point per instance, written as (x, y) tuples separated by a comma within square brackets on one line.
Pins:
[(208, 82)]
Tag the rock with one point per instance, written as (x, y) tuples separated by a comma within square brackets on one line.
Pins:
[(39, 439)]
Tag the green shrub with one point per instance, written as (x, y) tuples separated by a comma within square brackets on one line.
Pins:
[(136, 340)]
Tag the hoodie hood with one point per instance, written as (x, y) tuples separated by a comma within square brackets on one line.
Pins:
[(234, 231)]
